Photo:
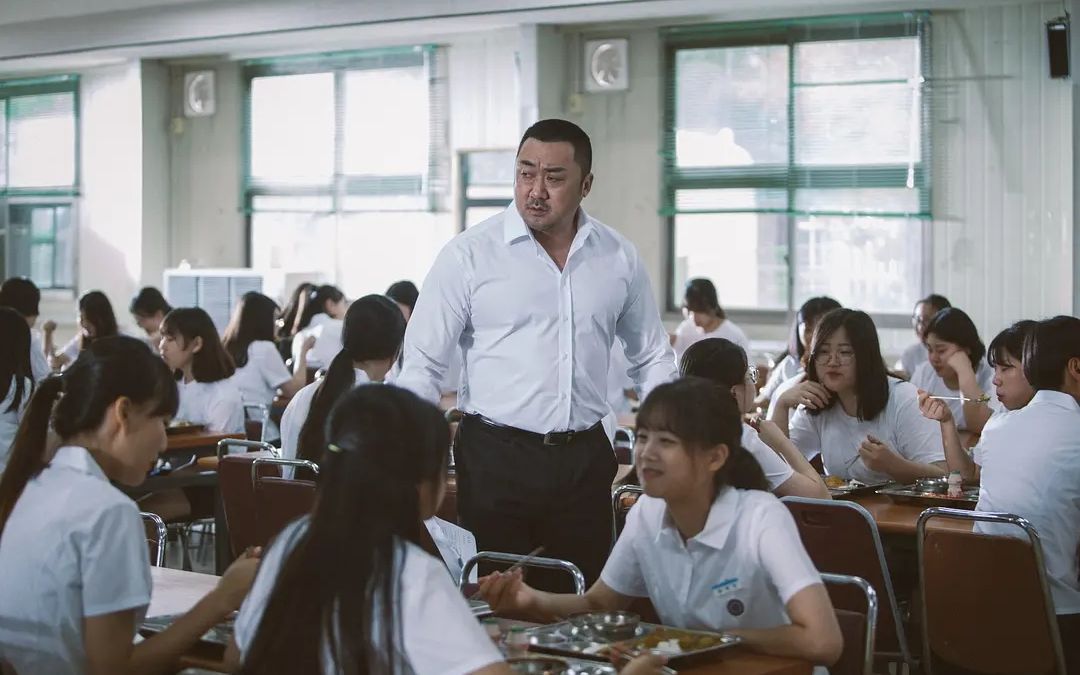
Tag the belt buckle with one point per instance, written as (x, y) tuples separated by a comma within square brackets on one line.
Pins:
[(558, 437)]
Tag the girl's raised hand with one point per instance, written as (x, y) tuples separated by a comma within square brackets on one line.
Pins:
[(507, 593), (933, 409), (813, 395)]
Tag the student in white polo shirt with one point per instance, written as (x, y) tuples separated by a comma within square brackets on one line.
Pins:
[(799, 337), (706, 543), (1031, 467), (73, 551), (724, 363), (1013, 391), (191, 347), (321, 319), (865, 424)]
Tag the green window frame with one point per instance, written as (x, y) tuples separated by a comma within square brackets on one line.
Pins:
[(782, 180)]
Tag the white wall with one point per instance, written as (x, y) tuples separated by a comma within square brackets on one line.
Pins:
[(1003, 198)]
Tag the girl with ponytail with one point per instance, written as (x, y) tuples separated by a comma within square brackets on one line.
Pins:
[(706, 543), (73, 549), (371, 339)]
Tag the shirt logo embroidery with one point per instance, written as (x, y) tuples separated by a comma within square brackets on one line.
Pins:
[(726, 586), (735, 607)]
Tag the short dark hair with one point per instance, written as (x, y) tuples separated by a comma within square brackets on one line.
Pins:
[(955, 326), (148, 302), (811, 310), (22, 295), (212, 363), (1009, 342), (403, 292), (562, 131), (718, 360), (938, 302), (871, 378), (700, 296), (1049, 347)]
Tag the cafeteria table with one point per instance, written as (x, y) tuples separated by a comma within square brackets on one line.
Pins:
[(176, 591), (894, 518)]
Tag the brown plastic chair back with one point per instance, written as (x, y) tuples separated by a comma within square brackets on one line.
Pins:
[(237, 496), (856, 626), (623, 499), (279, 501), (985, 601), (625, 437), (842, 538)]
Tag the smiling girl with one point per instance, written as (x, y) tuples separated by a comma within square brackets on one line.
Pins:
[(864, 423), (706, 543)]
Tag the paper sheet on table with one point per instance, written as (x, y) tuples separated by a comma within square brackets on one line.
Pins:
[(456, 545)]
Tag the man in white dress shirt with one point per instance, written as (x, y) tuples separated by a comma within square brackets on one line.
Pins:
[(534, 298)]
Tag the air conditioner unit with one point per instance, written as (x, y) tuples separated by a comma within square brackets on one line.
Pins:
[(214, 290)]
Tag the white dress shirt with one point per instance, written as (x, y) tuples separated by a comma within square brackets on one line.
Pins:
[(327, 332), (296, 413), (536, 341), (74, 547), (738, 572), (215, 404), (1031, 468), (689, 333), (439, 633), (837, 436), (927, 379)]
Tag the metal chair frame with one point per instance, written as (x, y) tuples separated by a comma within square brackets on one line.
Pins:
[(901, 634), (616, 499), (1040, 563), (263, 417), (871, 612), (278, 461), (513, 559), (249, 446), (631, 440), (162, 536)]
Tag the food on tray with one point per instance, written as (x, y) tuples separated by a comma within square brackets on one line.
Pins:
[(672, 641), (835, 481)]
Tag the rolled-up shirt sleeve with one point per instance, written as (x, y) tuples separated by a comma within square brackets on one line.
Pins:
[(435, 327), (652, 361)]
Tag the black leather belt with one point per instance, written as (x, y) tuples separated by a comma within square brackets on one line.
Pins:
[(550, 438)]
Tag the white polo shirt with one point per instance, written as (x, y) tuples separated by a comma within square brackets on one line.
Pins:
[(777, 471), (215, 404), (327, 332), (780, 389), (688, 333), (265, 371), (440, 634), (738, 572), (296, 413), (788, 368), (1031, 468), (837, 436), (927, 379), (73, 547)]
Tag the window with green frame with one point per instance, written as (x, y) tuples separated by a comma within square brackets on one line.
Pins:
[(39, 179), (796, 161), (333, 140)]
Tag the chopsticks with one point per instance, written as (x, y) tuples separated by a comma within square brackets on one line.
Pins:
[(524, 561), (982, 399)]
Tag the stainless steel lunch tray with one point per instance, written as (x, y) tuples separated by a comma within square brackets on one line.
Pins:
[(578, 666), (861, 489), (910, 494), (565, 640)]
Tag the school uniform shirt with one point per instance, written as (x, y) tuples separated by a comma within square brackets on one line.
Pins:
[(836, 436), (1031, 468), (296, 413), (688, 333), (39, 365), (777, 471), (327, 332), (927, 379), (439, 634), (73, 547), (740, 571), (912, 357), (9, 419), (788, 368), (535, 340), (781, 389), (259, 378), (215, 404), (998, 418), (72, 348)]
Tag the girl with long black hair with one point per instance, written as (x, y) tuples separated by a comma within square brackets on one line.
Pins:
[(16, 376), (72, 546), (96, 320), (371, 339), (321, 318), (249, 340), (191, 347), (792, 364), (706, 543)]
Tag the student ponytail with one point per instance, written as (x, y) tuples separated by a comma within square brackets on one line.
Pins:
[(373, 330), (77, 401), (703, 415)]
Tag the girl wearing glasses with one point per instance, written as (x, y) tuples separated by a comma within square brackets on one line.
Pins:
[(865, 424)]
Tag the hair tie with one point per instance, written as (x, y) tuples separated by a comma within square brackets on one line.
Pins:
[(333, 448)]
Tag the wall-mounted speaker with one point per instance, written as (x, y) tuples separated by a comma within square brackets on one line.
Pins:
[(1057, 46)]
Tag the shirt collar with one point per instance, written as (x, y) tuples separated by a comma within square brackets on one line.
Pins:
[(1058, 398), (77, 458), (361, 377), (717, 525), (514, 228)]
